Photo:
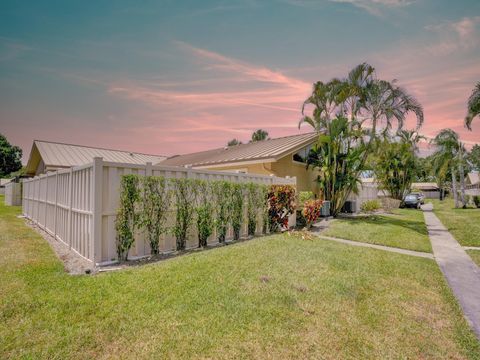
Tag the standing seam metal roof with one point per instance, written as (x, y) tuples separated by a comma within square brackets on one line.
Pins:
[(273, 148), (66, 155)]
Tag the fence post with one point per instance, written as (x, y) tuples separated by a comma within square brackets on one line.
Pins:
[(70, 202), (148, 169), (97, 211), (55, 209), (46, 204)]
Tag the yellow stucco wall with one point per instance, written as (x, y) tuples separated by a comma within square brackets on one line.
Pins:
[(283, 167)]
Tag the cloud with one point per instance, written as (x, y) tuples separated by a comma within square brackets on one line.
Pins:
[(376, 7), (463, 34)]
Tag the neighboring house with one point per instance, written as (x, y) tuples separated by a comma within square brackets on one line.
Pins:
[(281, 157), (430, 189), (47, 156), (472, 183)]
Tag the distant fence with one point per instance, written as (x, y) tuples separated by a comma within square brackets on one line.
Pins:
[(78, 205), (13, 194)]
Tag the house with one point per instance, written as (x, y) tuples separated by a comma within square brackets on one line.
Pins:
[(47, 156), (284, 156), (430, 189), (472, 183)]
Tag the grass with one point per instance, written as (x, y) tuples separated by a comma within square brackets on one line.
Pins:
[(463, 224), (273, 297), (404, 229), (475, 256)]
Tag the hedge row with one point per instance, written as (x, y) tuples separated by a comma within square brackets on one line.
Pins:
[(209, 206)]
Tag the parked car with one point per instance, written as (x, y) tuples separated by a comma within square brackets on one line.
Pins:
[(420, 195), (412, 200)]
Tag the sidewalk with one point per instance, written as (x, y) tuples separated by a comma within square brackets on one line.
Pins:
[(462, 274)]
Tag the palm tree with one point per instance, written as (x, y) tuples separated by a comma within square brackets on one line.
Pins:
[(411, 137), (449, 156), (367, 100), (473, 106), (259, 135)]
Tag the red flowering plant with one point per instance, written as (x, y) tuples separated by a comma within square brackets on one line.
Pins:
[(281, 204), (311, 211)]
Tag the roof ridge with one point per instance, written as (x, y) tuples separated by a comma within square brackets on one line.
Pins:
[(98, 148)]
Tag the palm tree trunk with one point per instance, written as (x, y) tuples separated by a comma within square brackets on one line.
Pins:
[(462, 181), (454, 188)]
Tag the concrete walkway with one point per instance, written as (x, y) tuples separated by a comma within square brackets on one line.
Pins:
[(378, 247), (462, 274)]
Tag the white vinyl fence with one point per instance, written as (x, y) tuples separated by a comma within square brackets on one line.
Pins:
[(13, 194), (366, 192), (78, 205)]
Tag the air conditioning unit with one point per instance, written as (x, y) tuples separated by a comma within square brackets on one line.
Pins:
[(349, 207), (325, 210)]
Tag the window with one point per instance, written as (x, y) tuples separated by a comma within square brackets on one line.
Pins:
[(302, 154)]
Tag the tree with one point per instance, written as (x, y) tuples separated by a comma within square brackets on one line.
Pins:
[(450, 155), (259, 135), (395, 166), (371, 105), (234, 142), (473, 106), (474, 157), (337, 156), (10, 157)]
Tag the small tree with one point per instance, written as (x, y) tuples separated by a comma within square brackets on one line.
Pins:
[(156, 202), (185, 191), (222, 194), (234, 142), (10, 157), (236, 214), (204, 209), (128, 215)]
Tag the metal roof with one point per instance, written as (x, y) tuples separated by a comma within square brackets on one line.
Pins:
[(425, 186), (66, 155), (473, 177), (271, 149)]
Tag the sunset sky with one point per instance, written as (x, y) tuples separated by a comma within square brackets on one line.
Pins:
[(170, 77)]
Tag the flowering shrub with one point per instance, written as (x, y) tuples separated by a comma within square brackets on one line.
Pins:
[(311, 211), (370, 206), (281, 202)]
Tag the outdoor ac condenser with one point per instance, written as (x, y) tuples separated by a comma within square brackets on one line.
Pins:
[(349, 207), (325, 210)]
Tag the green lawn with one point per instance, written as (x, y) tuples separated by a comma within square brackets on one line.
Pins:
[(404, 229), (475, 255), (273, 297), (463, 224)]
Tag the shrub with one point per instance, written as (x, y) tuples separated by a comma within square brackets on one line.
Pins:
[(304, 196), (256, 205), (185, 200), (388, 204), (128, 216), (155, 204), (222, 195), (370, 206), (236, 214), (204, 210), (476, 201), (311, 211), (281, 202)]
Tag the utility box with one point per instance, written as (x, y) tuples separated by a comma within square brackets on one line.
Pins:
[(349, 207), (325, 210)]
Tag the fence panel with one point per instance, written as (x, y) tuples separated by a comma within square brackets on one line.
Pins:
[(78, 206)]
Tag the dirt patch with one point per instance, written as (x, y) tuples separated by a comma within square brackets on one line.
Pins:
[(73, 263)]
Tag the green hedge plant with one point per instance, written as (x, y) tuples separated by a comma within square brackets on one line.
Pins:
[(185, 194), (204, 210), (222, 195), (156, 199), (128, 215), (236, 211)]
